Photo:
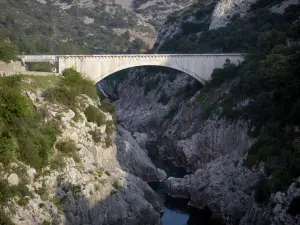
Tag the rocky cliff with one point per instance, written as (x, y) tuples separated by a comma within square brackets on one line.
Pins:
[(95, 174), (211, 130)]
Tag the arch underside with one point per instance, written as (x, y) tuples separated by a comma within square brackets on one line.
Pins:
[(123, 67)]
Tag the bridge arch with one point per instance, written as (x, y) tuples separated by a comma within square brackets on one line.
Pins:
[(97, 67)]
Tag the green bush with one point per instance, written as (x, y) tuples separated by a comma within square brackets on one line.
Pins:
[(68, 148), (8, 51), (108, 141), (23, 135), (5, 219), (41, 66), (96, 135), (7, 192), (7, 150), (106, 106), (93, 114), (110, 127), (71, 85), (57, 163)]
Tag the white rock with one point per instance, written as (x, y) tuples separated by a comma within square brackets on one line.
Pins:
[(13, 179)]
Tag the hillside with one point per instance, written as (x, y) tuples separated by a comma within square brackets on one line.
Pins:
[(65, 27), (238, 134), (82, 26)]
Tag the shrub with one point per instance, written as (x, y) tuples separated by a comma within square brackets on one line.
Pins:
[(96, 135), (12, 103), (68, 148), (110, 127), (57, 163), (71, 85), (116, 184), (7, 150), (4, 219), (108, 142), (7, 192), (41, 66), (8, 51), (35, 141), (106, 106), (93, 114)]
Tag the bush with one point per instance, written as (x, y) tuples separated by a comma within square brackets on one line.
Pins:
[(12, 103), (71, 85), (68, 148), (8, 51), (4, 219), (108, 141), (93, 114), (57, 163), (106, 106), (23, 135), (41, 66), (7, 150), (96, 135), (7, 192)]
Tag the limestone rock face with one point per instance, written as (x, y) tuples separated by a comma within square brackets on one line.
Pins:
[(224, 185), (226, 9), (286, 210), (13, 179), (93, 187), (134, 159), (141, 139)]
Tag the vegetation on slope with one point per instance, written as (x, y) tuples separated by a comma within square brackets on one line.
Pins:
[(268, 81), (46, 28), (26, 137), (8, 51)]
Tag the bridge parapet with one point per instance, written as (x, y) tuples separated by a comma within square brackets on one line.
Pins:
[(38, 58)]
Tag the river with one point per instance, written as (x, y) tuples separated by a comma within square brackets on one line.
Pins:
[(176, 210)]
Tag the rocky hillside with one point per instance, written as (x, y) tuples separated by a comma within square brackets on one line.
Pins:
[(62, 160), (238, 134), (156, 12), (83, 26), (73, 26)]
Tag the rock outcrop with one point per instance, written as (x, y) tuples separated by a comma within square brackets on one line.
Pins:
[(90, 185)]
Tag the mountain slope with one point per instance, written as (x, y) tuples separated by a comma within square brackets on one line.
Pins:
[(238, 134)]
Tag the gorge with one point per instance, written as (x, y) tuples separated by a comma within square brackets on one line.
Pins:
[(160, 147)]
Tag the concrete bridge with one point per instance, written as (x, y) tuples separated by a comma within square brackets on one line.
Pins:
[(97, 67)]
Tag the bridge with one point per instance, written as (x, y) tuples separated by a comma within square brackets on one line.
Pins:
[(97, 67)]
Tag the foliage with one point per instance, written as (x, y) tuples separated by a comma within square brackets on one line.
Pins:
[(41, 28), (71, 86), (68, 148), (108, 141), (221, 75), (41, 66), (273, 85), (96, 135), (106, 106), (93, 114), (8, 51), (7, 192), (23, 135), (116, 184), (4, 219), (269, 79), (258, 33)]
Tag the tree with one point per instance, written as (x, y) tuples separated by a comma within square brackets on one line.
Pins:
[(8, 51)]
